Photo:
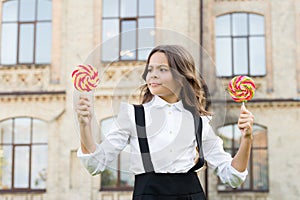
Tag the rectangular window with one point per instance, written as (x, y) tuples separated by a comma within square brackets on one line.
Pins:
[(124, 25), (26, 43), (223, 57), (43, 43), (23, 155), (240, 45), (21, 166), (128, 40), (9, 42), (6, 167), (39, 165), (26, 32), (240, 56)]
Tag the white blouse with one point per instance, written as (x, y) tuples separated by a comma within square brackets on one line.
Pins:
[(172, 143)]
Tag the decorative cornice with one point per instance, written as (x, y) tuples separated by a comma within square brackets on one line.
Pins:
[(24, 78), (262, 103), (124, 63), (32, 97)]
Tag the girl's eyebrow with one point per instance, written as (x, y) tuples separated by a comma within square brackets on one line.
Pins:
[(159, 65)]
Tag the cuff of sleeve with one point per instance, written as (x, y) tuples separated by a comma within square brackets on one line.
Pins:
[(93, 162), (237, 177), (80, 154)]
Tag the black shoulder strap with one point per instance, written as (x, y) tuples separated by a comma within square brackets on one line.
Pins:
[(142, 137), (198, 131)]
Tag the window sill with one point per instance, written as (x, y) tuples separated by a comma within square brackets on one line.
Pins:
[(116, 189), (239, 191), (31, 191)]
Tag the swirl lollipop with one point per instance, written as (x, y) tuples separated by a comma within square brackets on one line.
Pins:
[(85, 78), (241, 88)]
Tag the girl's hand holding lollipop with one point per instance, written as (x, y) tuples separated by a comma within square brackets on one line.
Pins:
[(241, 89), (85, 79)]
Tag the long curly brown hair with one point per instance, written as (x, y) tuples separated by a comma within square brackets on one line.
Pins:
[(193, 92)]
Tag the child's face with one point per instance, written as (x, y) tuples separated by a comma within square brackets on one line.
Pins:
[(160, 79)]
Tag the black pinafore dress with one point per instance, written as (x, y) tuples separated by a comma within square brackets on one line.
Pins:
[(166, 186)]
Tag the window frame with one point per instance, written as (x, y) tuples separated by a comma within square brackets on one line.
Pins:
[(120, 20), (251, 162), (18, 22), (231, 36), (30, 145)]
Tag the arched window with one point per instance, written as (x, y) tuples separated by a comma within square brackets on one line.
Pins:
[(257, 179), (120, 16), (240, 45), (116, 176), (26, 32), (23, 155)]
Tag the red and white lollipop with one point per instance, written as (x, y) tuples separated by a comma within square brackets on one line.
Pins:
[(85, 78)]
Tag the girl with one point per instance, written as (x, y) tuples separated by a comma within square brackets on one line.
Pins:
[(169, 133)]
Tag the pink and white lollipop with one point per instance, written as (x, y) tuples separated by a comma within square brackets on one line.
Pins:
[(85, 78)]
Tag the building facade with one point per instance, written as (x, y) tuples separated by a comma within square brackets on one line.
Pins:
[(43, 40)]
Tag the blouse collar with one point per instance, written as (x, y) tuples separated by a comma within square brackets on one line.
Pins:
[(159, 102)]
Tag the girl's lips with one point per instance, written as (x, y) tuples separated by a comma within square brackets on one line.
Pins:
[(154, 84)]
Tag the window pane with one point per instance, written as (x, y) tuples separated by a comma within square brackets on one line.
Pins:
[(246, 185), (22, 131), (9, 44), (223, 26), (240, 56), (39, 131), (239, 24), (43, 42), (257, 56), (109, 175), (226, 133), (146, 7), (26, 43), (236, 135), (128, 8), (110, 8), (110, 28), (128, 40), (21, 167), (110, 38), (260, 170), (6, 132), (146, 23), (27, 10), (5, 167), (127, 178), (39, 167), (259, 137), (146, 37), (223, 57), (10, 11), (44, 10), (257, 24)]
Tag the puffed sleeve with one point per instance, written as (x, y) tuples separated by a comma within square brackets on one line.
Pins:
[(218, 159), (114, 142)]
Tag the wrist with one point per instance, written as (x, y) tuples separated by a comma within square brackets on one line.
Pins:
[(248, 137)]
